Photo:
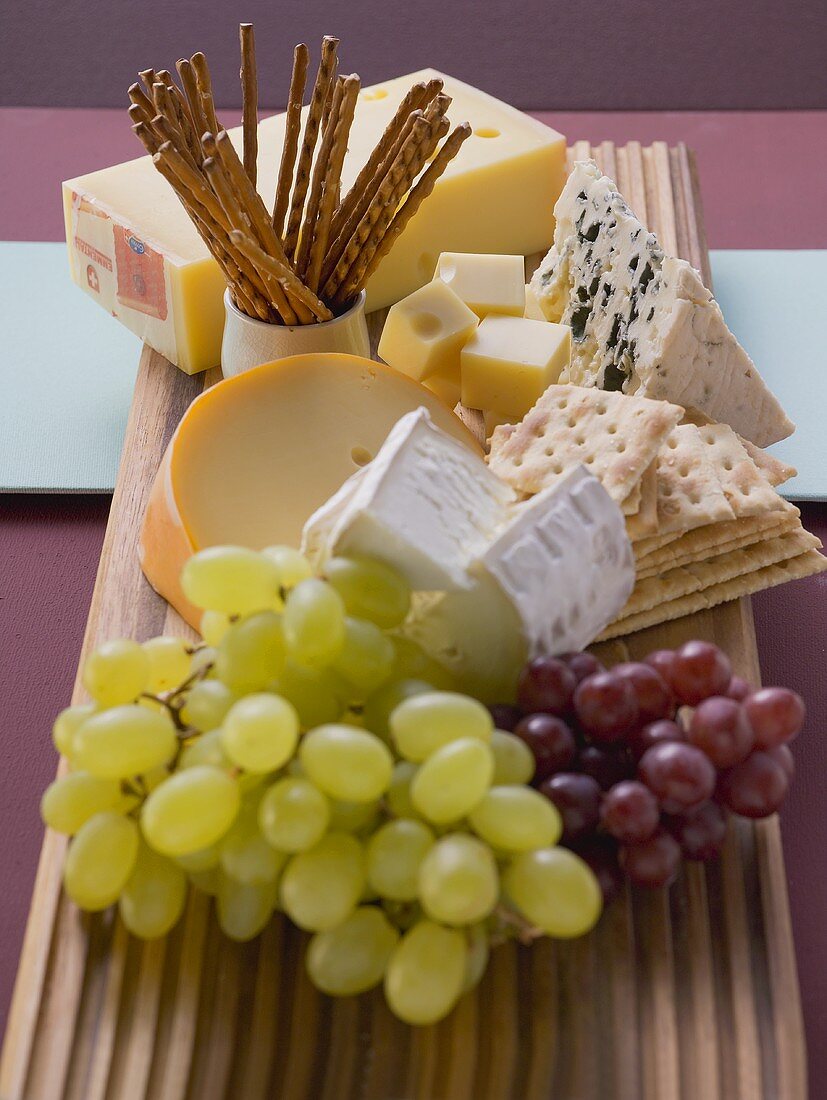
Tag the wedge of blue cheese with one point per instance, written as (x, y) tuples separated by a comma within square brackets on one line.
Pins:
[(643, 322)]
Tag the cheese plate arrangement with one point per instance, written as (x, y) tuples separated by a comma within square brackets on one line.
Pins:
[(418, 747)]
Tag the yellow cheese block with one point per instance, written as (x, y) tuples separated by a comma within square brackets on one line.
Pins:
[(133, 248), (255, 455), (486, 283), (510, 362), (446, 386), (426, 331)]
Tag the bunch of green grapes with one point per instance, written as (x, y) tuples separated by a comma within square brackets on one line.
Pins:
[(308, 758)]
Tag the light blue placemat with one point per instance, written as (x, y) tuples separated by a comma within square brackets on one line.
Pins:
[(776, 304), (67, 371)]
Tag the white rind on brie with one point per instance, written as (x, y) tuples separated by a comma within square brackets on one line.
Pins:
[(641, 321)]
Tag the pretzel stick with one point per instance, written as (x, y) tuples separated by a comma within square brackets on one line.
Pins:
[(167, 133), (331, 91), (193, 97), (327, 64), (182, 117), (249, 93), (291, 136), (139, 98), (418, 96), (205, 96), (314, 198), (420, 192), (148, 76), (139, 114), (259, 218), (342, 119), (354, 279), (282, 272), (398, 174)]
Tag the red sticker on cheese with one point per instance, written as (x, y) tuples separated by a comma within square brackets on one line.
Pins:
[(140, 271)]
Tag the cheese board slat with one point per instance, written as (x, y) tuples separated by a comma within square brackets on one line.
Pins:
[(682, 994)]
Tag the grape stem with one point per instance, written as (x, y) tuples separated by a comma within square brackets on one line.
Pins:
[(513, 926)]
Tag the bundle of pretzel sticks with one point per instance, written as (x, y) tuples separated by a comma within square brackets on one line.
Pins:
[(308, 259)]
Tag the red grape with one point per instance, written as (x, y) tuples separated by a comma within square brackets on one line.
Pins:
[(662, 661), (546, 686), (505, 716), (679, 775), (653, 734), (630, 812), (577, 797), (720, 728), (551, 741), (738, 689), (776, 715), (701, 833), (756, 787), (784, 757), (600, 853), (700, 669), (582, 664), (605, 765), (655, 862), (605, 706), (653, 694)]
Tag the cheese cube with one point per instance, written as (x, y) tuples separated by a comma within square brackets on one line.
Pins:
[(425, 332), (510, 362), (488, 284), (446, 386)]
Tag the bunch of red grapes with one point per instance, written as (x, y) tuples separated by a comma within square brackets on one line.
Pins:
[(646, 760)]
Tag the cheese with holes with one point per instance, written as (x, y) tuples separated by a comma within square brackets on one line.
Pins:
[(133, 248), (486, 283), (426, 331), (643, 322), (256, 454)]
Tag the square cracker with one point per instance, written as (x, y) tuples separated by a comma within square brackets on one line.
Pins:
[(631, 505), (747, 490), (774, 470), (614, 435), (690, 493), (804, 565)]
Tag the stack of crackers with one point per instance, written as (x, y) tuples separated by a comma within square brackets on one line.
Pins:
[(702, 509)]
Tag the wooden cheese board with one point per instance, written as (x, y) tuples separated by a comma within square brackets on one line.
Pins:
[(676, 995)]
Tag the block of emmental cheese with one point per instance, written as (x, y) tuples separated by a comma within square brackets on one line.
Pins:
[(426, 331), (486, 283), (510, 362), (133, 248)]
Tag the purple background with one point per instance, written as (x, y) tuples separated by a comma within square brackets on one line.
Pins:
[(592, 54)]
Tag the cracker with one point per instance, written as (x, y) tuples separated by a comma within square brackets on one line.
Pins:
[(690, 493), (804, 565), (774, 470), (614, 435), (645, 521), (745, 487), (631, 505)]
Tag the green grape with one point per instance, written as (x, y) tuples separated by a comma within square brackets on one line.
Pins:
[(206, 881), (516, 819), (251, 654), (424, 723), (207, 748), (314, 623), (244, 909), (247, 857), (394, 855), (153, 899), (353, 817), (67, 723), (214, 625), (371, 590), (379, 706), (513, 759), (70, 801), (479, 949), (398, 795), (100, 860), (169, 663), (260, 733), (291, 564), (315, 694), (347, 764), (206, 859), (206, 705), (322, 886), (124, 741), (352, 957), (293, 815), (367, 657), (424, 976), (413, 663), (191, 811), (458, 880), (555, 890), (202, 662), (231, 579), (116, 672), (453, 780)]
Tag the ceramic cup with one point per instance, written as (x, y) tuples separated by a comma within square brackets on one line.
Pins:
[(248, 342)]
